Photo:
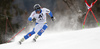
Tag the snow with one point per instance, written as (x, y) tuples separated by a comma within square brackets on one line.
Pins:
[(80, 39)]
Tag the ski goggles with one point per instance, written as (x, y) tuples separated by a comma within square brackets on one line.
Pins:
[(37, 10)]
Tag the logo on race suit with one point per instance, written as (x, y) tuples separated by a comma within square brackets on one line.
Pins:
[(41, 16), (29, 35), (42, 30), (47, 11)]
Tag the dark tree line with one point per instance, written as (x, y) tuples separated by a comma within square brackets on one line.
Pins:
[(7, 11)]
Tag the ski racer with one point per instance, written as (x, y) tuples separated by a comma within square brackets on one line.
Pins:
[(41, 25)]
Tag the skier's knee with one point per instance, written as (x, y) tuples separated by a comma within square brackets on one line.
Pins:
[(42, 30), (32, 32), (45, 27)]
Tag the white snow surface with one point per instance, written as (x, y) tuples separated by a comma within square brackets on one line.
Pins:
[(80, 39)]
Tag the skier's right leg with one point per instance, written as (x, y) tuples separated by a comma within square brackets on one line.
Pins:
[(27, 36), (40, 32)]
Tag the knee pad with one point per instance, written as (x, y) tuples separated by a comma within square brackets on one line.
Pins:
[(42, 30)]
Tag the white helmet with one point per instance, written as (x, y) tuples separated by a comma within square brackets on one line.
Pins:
[(37, 6)]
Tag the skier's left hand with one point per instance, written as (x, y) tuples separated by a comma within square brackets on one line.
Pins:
[(53, 18)]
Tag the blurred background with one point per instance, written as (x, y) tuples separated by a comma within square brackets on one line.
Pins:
[(69, 15)]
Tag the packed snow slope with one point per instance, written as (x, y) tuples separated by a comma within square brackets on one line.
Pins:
[(80, 39)]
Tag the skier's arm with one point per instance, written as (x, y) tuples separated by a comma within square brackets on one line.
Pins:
[(29, 19), (50, 14), (31, 16)]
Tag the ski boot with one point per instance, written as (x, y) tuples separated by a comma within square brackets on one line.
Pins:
[(36, 36), (20, 42)]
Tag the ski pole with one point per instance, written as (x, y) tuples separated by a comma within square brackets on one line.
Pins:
[(19, 32), (85, 18), (95, 18)]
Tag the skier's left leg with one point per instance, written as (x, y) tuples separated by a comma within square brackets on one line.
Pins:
[(40, 32), (27, 36)]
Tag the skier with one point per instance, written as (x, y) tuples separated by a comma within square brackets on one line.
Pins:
[(41, 25)]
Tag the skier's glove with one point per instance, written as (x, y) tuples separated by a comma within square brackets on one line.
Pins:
[(53, 18)]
